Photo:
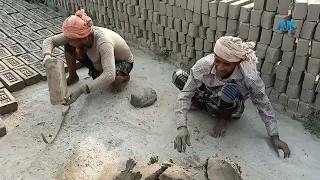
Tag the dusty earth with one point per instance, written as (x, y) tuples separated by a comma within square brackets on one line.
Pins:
[(103, 130)]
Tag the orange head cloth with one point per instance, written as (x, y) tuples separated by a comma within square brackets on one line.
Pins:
[(77, 26)]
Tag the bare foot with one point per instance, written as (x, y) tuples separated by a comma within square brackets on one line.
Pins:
[(220, 128), (71, 79)]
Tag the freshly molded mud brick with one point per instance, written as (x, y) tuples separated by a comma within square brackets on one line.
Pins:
[(210, 35), (8, 104), (4, 53), (283, 99), (199, 55), (205, 7), (266, 36), (296, 76), (2, 35), (224, 8), (190, 5), (271, 5), (28, 59), (308, 96), (267, 68), (3, 67), (232, 26), (293, 104), (267, 19), (307, 30), (273, 55), (259, 4), (277, 20), (268, 80), (196, 19), (24, 30), (38, 54), (16, 50), (45, 33), (12, 81), (282, 72), (12, 62), (293, 90), (30, 46), (300, 62), (191, 53), (202, 32), (11, 32), (219, 34), (39, 68), (235, 8), (254, 33), (245, 13), (309, 81), (193, 30), (221, 24), (281, 85), (208, 46), (261, 50), (244, 30), (20, 38), (255, 19), (315, 47), (213, 23), (199, 44), (300, 9), (313, 10), (302, 47), (189, 16), (313, 66), (213, 6), (15, 23), (29, 75), (173, 35), (287, 58), (276, 40), (288, 43)]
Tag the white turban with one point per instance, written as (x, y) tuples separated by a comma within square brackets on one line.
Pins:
[(232, 49)]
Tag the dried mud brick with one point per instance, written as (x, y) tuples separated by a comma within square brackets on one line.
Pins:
[(2, 35), (9, 10), (20, 38), (55, 29), (12, 62), (16, 49), (24, 30), (12, 81), (4, 53), (6, 17), (28, 59), (38, 67), (17, 16), (29, 75), (30, 46), (3, 67), (11, 32), (39, 42), (5, 26), (45, 24), (38, 54), (34, 36), (7, 41), (26, 21), (45, 33), (8, 103)]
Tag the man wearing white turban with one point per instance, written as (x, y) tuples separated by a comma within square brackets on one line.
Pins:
[(219, 84)]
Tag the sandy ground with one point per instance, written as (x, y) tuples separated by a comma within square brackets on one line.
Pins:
[(103, 130)]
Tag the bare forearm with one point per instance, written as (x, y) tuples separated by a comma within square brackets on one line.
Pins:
[(101, 82), (52, 42)]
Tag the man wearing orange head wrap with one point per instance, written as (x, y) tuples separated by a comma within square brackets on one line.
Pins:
[(104, 52), (219, 84)]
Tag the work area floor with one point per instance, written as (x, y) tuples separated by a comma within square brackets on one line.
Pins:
[(103, 130)]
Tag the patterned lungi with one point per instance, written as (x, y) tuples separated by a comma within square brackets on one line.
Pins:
[(122, 68), (211, 99)]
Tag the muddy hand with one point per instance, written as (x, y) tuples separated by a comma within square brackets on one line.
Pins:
[(278, 144), (73, 97), (182, 139)]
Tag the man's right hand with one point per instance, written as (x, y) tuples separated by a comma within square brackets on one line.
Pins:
[(182, 139), (46, 57)]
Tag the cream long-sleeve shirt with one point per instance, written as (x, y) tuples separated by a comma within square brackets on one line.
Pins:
[(107, 45), (249, 84)]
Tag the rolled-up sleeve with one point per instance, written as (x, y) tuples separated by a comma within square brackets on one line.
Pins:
[(262, 103), (184, 100)]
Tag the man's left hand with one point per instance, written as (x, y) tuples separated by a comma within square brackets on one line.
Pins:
[(73, 96), (278, 144)]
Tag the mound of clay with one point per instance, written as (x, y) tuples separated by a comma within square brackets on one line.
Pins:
[(3, 129), (222, 169), (143, 97)]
